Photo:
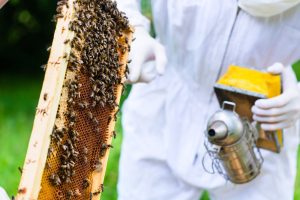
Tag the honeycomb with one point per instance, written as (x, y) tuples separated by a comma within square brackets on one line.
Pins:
[(96, 57)]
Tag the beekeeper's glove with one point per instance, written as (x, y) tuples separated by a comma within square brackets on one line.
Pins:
[(3, 195), (281, 111), (266, 8), (148, 58)]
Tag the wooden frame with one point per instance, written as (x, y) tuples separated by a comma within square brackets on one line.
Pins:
[(46, 111)]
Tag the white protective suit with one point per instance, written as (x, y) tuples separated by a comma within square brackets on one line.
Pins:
[(3, 195), (164, 121)]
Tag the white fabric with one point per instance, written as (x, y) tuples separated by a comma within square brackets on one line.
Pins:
[(267, 8), (3, 195), (281, 111), (164, 120)]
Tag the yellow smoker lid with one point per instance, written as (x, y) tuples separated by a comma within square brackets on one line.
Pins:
[(252, 80)]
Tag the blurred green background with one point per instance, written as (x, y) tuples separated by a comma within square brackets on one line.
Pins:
[(26, 31)]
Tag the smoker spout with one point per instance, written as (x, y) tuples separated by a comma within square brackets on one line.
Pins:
[(217, 131)]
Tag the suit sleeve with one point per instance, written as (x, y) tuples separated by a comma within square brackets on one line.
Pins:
[(132, 10)]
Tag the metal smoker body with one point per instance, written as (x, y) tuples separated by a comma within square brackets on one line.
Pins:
[(232, 145)]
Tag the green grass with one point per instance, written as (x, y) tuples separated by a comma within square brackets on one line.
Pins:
[(17, 106)]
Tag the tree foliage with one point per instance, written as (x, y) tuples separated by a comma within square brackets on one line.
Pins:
[(25, 31)]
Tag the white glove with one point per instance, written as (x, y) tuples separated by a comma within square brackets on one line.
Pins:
[(266, 8), (148, 58), (2, 3), (3, 195), (281, 111)]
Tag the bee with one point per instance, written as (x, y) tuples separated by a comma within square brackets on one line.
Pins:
[(44, 67), (49, 48), (116, 117), (85, 150), (70, 193), (101, 189), (68, 180), (50, 151), (64, 147), (77, 192), (92, 79), (72, 115), (96, 192), (94, 104), (48, 165), (97, 98), (85, 160), (60, 3), (114, 134), (86, 183), (98, 166), (20, 170), (63, 157), (55, 179), (75, 153), (65, 55), (109, 120), (92, 95), (64, 166), (77, 94), (71, 101), (102, 104), (123, 51), (90, 115), (63, 30), (72, 163), (66, 41), (22, 190), (59, 15), (95, 121), (45, 97), (59, 9), (73, 172), (106, 146), (72, 124), (42, 111)]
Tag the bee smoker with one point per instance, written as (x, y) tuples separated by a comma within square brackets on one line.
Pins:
[(232, 145)]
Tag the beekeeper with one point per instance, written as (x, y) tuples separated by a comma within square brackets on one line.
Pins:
[(164, 118)]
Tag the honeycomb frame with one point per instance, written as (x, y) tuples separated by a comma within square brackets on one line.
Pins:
[(43, 155)]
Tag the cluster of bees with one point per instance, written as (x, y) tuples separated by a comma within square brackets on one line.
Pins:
[(95, 60)]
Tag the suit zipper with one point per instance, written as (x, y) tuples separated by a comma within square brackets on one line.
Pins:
[(222, 63)]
